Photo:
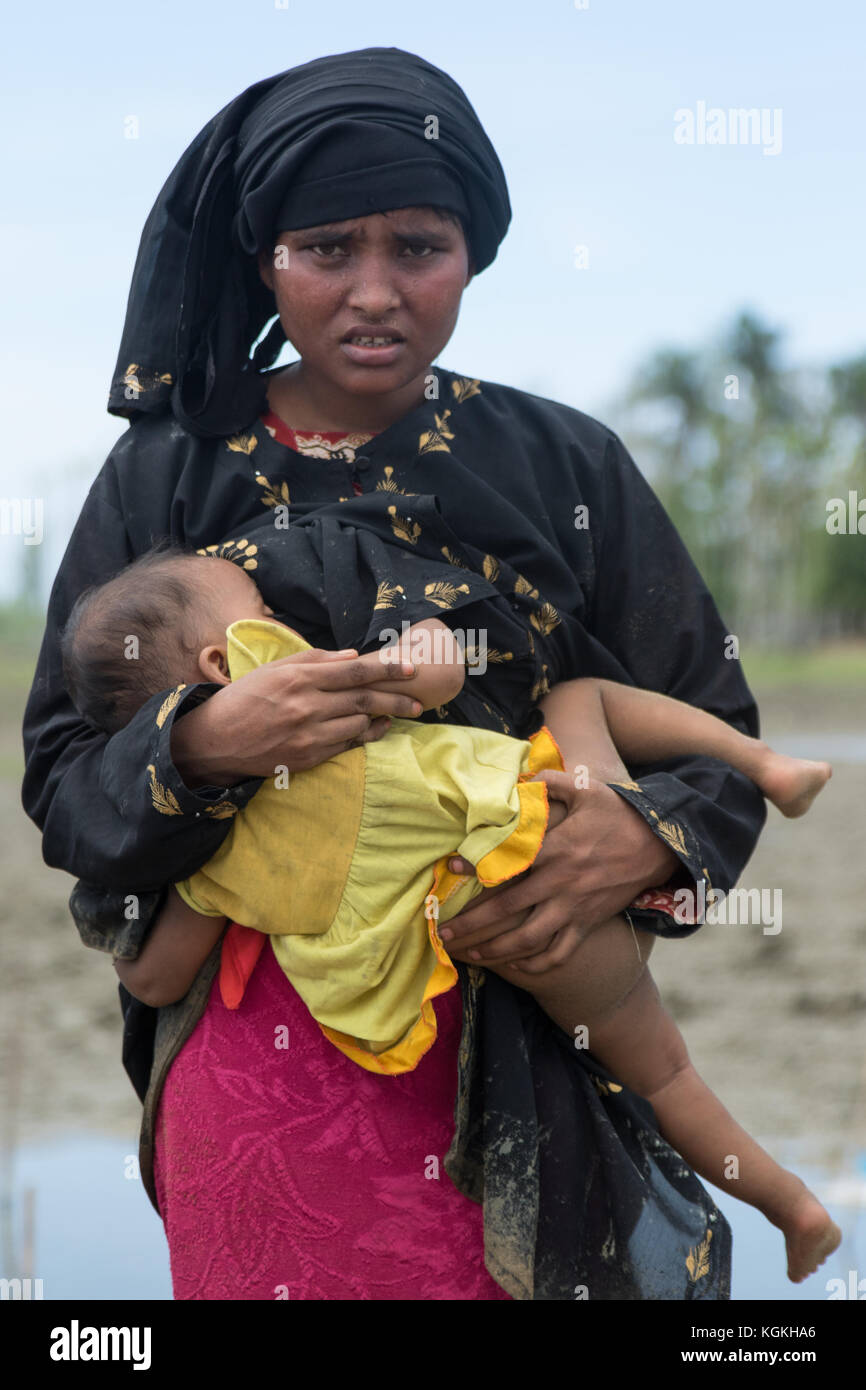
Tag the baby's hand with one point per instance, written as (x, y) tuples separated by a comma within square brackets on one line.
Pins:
[(438, 659)]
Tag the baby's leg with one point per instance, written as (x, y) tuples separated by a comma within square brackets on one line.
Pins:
[(606, 989), (644, 726), (574, 713)]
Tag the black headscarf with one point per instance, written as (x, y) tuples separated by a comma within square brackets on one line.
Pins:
[(340, 137)]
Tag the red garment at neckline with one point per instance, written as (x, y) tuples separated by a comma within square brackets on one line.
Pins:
[(284, 433)]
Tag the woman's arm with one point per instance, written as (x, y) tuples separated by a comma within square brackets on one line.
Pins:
[(120, 812), (113, 811), (648, 607), (652, 610), (178, 945)]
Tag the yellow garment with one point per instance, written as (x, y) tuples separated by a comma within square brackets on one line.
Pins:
[(344, 866)]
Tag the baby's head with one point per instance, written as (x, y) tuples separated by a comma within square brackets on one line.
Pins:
[(160, 622)]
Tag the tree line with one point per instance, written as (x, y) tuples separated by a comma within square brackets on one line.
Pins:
[(762, 468)]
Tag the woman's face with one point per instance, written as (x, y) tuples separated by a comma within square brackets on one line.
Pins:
[(397, 275)]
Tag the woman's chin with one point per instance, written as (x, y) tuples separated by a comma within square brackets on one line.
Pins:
[(373, 380)]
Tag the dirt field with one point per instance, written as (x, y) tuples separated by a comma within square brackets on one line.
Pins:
[(776, 1023)]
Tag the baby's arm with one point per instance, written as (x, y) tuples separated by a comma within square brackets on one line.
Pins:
[(440, 673), (176, 948)]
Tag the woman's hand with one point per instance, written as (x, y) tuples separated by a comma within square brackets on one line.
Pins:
[(295, 713), (590, 867), (505, 922)]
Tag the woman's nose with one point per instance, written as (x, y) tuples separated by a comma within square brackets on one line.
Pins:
[(374, 294)]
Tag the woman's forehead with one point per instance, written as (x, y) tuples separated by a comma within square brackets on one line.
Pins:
[(395, 216)]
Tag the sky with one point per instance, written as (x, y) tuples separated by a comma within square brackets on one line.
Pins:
[(585, 105)]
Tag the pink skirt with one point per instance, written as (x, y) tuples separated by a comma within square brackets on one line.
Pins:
[(284, 1170)]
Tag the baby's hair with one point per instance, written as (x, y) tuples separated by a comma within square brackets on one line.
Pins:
[(109, 677)]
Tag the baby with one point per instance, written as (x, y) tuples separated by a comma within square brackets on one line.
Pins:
[(345, 866)]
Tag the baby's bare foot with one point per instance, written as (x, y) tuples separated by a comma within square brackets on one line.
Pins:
[(793, 783), (810, 1236)]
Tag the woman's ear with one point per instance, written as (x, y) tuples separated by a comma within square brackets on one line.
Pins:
[(213, 665), (266, 268)]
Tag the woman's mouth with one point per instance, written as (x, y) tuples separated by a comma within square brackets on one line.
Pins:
[(372, 349)]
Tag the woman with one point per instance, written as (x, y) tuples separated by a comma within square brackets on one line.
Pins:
[(355, 197)]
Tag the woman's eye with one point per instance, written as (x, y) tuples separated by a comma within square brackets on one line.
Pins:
[(335, 251)]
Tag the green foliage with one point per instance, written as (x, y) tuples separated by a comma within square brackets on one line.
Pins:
[(746, 454), (21, 628)]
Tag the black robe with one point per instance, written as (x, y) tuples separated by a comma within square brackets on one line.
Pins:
[(541, 515)]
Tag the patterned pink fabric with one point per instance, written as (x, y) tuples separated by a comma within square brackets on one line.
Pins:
[(294, 1172)]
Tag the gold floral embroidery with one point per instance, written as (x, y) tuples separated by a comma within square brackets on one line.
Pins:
[(474, 655), (162, 797), (242, 443), (542, 685), (546, 619), (464, 389), (404, 528), (698, 1260), (506, 728), (491, 568), (388, 485), (168, 705), (629, 786), (433, 440), (386, 594), (606, 1088), (221, 811), (453, 559), (272, 498), (523, 586), (443, 594), (142, 380), (671, 833), (233, 550), (477, 975)]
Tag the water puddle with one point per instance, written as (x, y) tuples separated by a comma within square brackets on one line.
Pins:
[(80, 1220), (759, 1249), (76, 1217), (833, 748)]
